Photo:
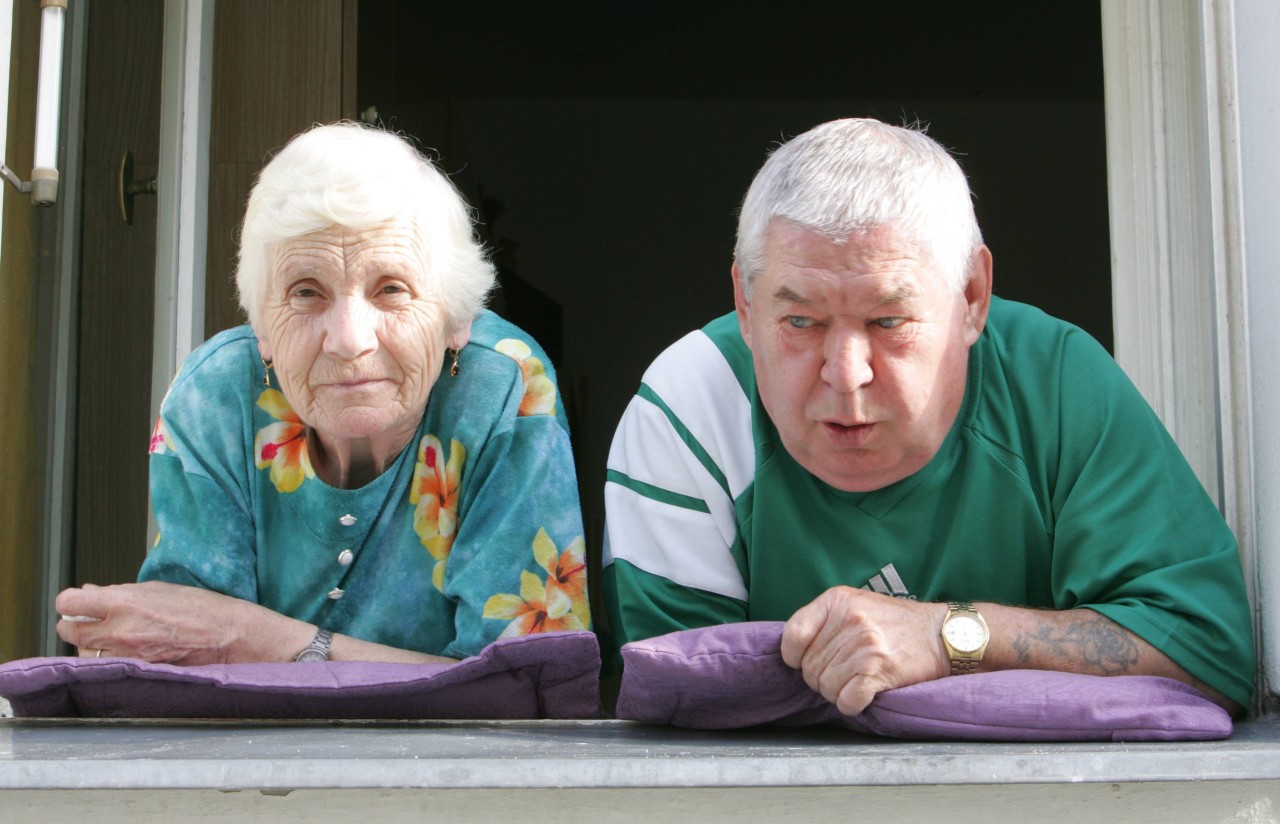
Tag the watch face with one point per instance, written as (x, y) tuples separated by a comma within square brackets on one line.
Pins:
[(312, 655), (964, 633)]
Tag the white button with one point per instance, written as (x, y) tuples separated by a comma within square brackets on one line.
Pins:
[(344, 557), (335, 594), (347, 520)]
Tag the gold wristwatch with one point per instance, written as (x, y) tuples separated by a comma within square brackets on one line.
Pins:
[(965, 636)]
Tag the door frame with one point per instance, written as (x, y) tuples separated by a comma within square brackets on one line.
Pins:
[(58, 510), (182, 188)]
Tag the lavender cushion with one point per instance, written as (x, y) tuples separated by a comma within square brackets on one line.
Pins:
[(733, 675), (553, 675)]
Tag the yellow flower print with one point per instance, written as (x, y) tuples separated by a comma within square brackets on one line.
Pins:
[(539, 391), (435, 493), (161, 443), (566, 572), (558, 604), (282, 446)]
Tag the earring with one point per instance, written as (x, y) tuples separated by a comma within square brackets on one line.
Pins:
[(453, 366), (266, 373)]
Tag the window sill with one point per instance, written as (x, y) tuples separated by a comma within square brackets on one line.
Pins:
[(78, 754)]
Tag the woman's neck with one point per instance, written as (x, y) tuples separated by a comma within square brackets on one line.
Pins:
[(350, 463)]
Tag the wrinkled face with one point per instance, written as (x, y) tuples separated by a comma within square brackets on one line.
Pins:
[(860, 351), (356, 335)]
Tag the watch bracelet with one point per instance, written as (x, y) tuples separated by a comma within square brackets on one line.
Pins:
[(321, 644)]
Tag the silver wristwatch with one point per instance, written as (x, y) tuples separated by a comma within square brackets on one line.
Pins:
[(318, 649)]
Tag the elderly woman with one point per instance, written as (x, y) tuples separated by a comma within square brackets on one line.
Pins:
[(376, 468)]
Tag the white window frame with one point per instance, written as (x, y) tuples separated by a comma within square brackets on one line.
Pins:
[(1191, 90), (1258, 101), (1188, 88)]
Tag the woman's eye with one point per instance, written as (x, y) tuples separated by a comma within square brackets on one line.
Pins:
[(889, 323), (305, 292), (799, 321)]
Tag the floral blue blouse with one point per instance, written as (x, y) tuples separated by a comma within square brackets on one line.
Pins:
[(472, 534)]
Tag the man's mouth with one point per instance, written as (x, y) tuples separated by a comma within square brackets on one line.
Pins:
[(848, 434)]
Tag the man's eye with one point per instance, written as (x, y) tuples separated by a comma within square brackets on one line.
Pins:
[(889, 323), (799, 322)]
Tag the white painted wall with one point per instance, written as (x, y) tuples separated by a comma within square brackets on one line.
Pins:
[(1258, 50)]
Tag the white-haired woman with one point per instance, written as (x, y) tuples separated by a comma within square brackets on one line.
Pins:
[(375, 468)]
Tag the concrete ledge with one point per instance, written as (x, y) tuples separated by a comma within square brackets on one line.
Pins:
[(275, 756)]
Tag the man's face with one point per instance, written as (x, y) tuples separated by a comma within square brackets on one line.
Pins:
[(860, 350)]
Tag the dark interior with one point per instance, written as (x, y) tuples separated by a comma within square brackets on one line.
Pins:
[(607, 147)]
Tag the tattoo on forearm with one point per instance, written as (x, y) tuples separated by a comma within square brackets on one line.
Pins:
[(1099, 643)]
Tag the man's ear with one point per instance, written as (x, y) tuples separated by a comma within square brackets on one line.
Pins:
[(741, 304), (977, 293)]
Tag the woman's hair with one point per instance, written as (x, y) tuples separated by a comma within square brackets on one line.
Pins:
[(353, 176), (860, 174)]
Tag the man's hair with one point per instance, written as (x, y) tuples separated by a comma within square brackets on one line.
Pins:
[(856, 175), (352, 176)]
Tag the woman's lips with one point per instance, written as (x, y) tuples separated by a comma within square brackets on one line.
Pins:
[(354, 386)]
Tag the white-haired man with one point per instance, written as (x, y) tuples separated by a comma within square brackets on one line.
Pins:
[(920, 479)]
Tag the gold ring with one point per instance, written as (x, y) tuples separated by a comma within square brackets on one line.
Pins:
[(99, 655)]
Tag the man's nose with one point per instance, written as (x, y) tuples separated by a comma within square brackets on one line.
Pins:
[(352, 330), (847, 360)]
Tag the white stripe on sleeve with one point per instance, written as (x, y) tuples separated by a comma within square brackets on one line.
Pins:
[(699, 386), (648, 449), (681, 545)]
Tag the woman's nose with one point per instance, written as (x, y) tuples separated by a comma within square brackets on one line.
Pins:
[(846, 361), (352, 330)]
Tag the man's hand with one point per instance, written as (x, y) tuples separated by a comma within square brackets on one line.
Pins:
[(851, 644)]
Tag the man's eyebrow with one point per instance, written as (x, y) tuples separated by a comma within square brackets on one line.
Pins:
[(784, 293), (903, 294)]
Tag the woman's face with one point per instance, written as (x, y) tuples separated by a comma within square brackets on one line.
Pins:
[(356, 335)]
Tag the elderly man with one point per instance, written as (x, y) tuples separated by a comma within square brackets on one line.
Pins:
[(922, 480)]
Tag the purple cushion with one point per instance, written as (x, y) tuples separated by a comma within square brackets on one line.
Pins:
[(733, 675), (552, 675)]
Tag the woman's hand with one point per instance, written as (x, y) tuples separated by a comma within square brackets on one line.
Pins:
[(188, 626), (159, 622)]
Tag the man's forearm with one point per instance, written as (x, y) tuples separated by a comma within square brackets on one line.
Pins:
[(1077, 640)]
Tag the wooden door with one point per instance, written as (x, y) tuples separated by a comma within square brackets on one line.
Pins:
[(117, 284), (278, 68)]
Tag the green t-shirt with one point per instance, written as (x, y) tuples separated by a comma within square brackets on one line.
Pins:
[(1057, 487)]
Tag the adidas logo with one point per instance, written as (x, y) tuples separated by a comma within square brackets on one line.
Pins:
[(888, 582)]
